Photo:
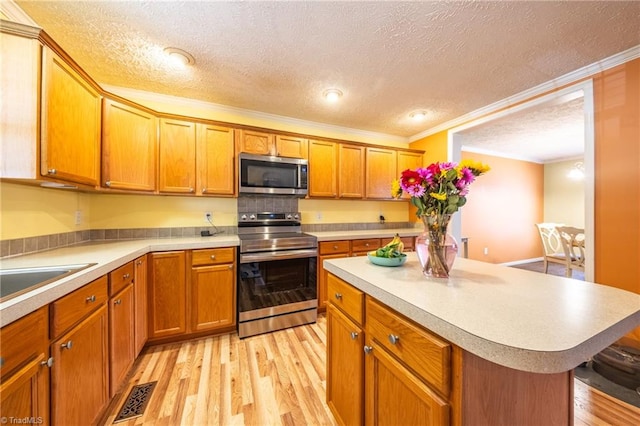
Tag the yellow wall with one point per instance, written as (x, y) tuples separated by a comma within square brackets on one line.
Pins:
[(563, 196), (29, 211), (352, 211), (435, 147)]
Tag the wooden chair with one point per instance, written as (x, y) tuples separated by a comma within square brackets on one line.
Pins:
[(551, 245), (572, 240)]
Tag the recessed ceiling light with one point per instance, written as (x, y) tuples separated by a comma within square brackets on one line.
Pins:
[(179, 56), (332, 95), (418, 115)]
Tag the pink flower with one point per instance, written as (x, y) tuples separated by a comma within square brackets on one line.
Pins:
[(466, 179), (415, 190)]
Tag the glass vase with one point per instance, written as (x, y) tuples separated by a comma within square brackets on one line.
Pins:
[(436, 248)]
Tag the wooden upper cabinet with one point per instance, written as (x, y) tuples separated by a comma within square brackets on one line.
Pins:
[(70, 139), (291, 146), (323, 169), (215, 160), (351, 163), (381, 171), (177, 156), (128, 147), (408, 160), (255, 142)]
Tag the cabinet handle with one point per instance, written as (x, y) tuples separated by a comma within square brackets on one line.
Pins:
[(91, 299), (52, 171), (213, 256), (125, 276), (366, 244), (67, 345), (191, 189), (338, 296), (335, 247), (117, 301), (139, 262), (107, 183), (204, 190), (354, 335), (230, 266), (393, 339), (48, 363), (367, 349)]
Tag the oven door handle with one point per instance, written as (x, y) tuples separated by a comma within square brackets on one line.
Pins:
[(277, 255)]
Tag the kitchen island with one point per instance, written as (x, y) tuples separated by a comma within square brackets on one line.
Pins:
[(514, 335)]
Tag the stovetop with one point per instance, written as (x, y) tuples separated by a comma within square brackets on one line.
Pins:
[(269, 231)]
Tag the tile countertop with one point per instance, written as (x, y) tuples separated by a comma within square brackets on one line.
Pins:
[(107, 256), (516, 318)]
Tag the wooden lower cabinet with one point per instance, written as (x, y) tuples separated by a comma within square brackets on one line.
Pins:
[(24, 388), (121, 336), (395, 396), (80, 371), (167, 294), (345, 368), (140, 311)]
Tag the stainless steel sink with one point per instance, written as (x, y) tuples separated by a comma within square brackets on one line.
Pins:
[(14, 282)]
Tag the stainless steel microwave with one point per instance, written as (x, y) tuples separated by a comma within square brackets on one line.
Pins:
[(261, 174)]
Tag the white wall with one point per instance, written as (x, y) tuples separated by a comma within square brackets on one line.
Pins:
[(563, 196)]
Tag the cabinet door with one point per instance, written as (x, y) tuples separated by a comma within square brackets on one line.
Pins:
[(26, 393), (121, 336), (394, 396), (255, 142), (140, 303), (216, 160), (351, 165), (407, 160), (291, 146), (79, 376), (70, 140), (213, 297), (177, 158), (167, 294), (323, 159), (345, 368), (381, 171), (128, 147)]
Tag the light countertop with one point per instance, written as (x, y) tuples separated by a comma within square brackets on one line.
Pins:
[(516, 318), (369, 233)]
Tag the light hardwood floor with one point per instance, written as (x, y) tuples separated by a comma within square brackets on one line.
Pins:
[(273, 379)]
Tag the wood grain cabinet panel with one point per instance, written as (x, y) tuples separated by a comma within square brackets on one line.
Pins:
[(254, 142), (323, 169), (167, 294), (381, 171), (70, 139), (121, 336), (70, 309), (345, 368), (351, 166), (129, 137), (291, 146), (80, 372), (177, 156), (407, 160), (213, 297), (215, 160), (141, 332)]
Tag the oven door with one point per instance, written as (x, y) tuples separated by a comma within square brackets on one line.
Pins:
[(276, 290)]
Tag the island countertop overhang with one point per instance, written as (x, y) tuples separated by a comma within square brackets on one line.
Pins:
[(519, 319)]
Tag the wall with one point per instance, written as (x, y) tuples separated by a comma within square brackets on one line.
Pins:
[(29, 211), (353, 211), (502, 208), (563, 196)]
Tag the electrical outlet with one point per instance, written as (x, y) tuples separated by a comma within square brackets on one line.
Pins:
[(78, 217), (486, 251), (319, 215), (208, 217)]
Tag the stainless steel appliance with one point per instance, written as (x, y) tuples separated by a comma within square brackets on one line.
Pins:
[(277, 275), (260, 174)]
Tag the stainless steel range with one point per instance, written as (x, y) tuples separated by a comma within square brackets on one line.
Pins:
[(277, 274)]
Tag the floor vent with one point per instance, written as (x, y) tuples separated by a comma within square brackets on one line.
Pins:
[(136, 402)]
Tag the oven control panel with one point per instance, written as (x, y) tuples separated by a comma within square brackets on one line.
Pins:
[(268, 217)]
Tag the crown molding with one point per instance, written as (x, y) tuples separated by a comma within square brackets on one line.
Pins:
[(12, 11), (569, 78), (142, 95)]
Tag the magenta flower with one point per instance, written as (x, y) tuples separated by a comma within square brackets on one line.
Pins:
[(415, 190)]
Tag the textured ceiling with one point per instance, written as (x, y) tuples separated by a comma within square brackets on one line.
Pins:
[(389, 58)]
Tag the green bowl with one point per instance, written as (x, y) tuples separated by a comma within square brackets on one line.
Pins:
[(387, 261)]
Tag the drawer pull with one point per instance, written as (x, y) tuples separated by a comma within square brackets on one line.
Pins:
[(366, 244), (213, 257), (204, 190), (117, 302), (335, 247), (125, 276), (367, 349), (91, 299), (48, 363), (107, 183), (67, 345), (52, 171), (393, 339), (139, 262), (339, 296), (230, 266), (354, 335), (191, 189)]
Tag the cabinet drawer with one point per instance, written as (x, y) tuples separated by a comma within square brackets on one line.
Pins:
[(349, 299), (427, 355), (23, 340), (365, 245), (71, 308), (213, 256), (334, 247), (120, 278), (408, 243)]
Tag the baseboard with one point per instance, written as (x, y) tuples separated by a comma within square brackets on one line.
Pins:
[(520, 262)]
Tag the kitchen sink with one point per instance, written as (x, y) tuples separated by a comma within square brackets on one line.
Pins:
[(14, 282)]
